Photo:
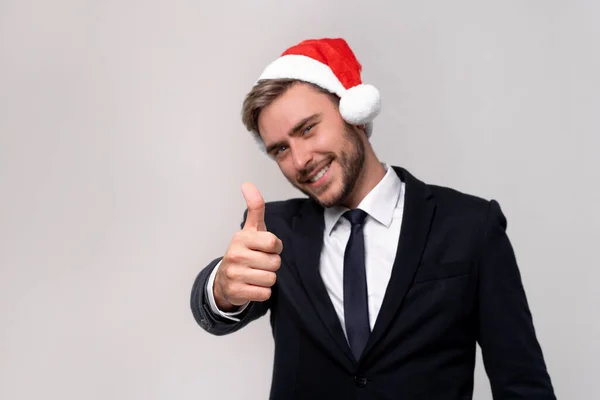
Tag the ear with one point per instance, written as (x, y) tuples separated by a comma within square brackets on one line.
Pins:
[(361, 127)]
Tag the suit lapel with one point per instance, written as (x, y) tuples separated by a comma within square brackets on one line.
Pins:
[(308, 229), (416, 222)]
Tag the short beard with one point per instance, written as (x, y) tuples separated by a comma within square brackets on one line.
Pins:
[(351, 162)]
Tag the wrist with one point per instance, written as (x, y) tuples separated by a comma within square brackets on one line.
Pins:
[(222, 303)]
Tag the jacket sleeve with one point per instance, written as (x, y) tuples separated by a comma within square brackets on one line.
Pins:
[(212, 322), (511, 353)]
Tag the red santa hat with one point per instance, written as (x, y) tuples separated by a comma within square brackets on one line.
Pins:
[(330, 64)]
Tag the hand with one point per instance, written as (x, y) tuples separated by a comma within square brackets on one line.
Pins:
[(247, 271)]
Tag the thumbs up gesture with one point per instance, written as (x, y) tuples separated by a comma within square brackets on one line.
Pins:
[(247, 271)]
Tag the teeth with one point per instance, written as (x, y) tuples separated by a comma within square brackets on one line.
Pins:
[(320, 174)]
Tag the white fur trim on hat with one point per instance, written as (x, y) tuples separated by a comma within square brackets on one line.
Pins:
[(359, 105), (293, 66)]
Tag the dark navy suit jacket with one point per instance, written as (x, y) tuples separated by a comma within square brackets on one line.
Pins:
[(455, 283)]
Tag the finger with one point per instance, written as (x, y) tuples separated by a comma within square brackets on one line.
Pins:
[(264, 261), (255, 293), (246, 258), (255, 220), (263, 241), (258, 277)]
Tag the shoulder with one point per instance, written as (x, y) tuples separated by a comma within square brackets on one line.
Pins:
[(449, 199), (284, 209), (279, 215), (467, 209), (453, 199), (281, 210), (454, 205)]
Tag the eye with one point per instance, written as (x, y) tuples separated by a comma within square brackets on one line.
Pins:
[(280, 149), (308, 129)]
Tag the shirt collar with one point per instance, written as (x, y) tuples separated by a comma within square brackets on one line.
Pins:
[(379, 204)]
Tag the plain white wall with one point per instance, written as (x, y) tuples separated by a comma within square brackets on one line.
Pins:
[(122, 154)]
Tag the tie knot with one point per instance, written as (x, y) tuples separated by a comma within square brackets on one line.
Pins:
[(356, 216)]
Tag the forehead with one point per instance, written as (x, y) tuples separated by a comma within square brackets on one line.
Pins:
[(295, 104)]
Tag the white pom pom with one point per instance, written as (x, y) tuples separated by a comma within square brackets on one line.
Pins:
[(360, 104)]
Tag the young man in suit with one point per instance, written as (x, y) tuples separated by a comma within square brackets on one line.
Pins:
[(379, 286)]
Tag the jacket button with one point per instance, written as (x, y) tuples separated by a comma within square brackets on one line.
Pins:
[(204, 323), (361, 380)]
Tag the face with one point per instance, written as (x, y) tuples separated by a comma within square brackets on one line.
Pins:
[(316, 150)]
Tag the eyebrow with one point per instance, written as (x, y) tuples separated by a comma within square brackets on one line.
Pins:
[(294, 130)]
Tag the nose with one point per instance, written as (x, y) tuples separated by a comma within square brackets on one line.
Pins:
[(301, 155)]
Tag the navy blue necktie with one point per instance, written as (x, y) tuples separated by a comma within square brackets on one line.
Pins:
[(356, 310)]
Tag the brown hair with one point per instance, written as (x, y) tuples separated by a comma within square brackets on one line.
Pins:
[(267, 91)]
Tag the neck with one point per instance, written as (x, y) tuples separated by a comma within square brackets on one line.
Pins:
[(372, 173)]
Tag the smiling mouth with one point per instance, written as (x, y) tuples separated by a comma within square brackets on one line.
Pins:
[(320, 173)]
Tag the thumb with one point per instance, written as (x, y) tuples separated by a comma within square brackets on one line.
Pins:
[(255, 219)]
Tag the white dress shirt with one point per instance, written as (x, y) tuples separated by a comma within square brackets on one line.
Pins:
[(384, 206)]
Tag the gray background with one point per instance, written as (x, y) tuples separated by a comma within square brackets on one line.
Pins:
[(122, 154)]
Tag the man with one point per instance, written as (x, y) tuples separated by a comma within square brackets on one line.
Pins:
[(379, 286)]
